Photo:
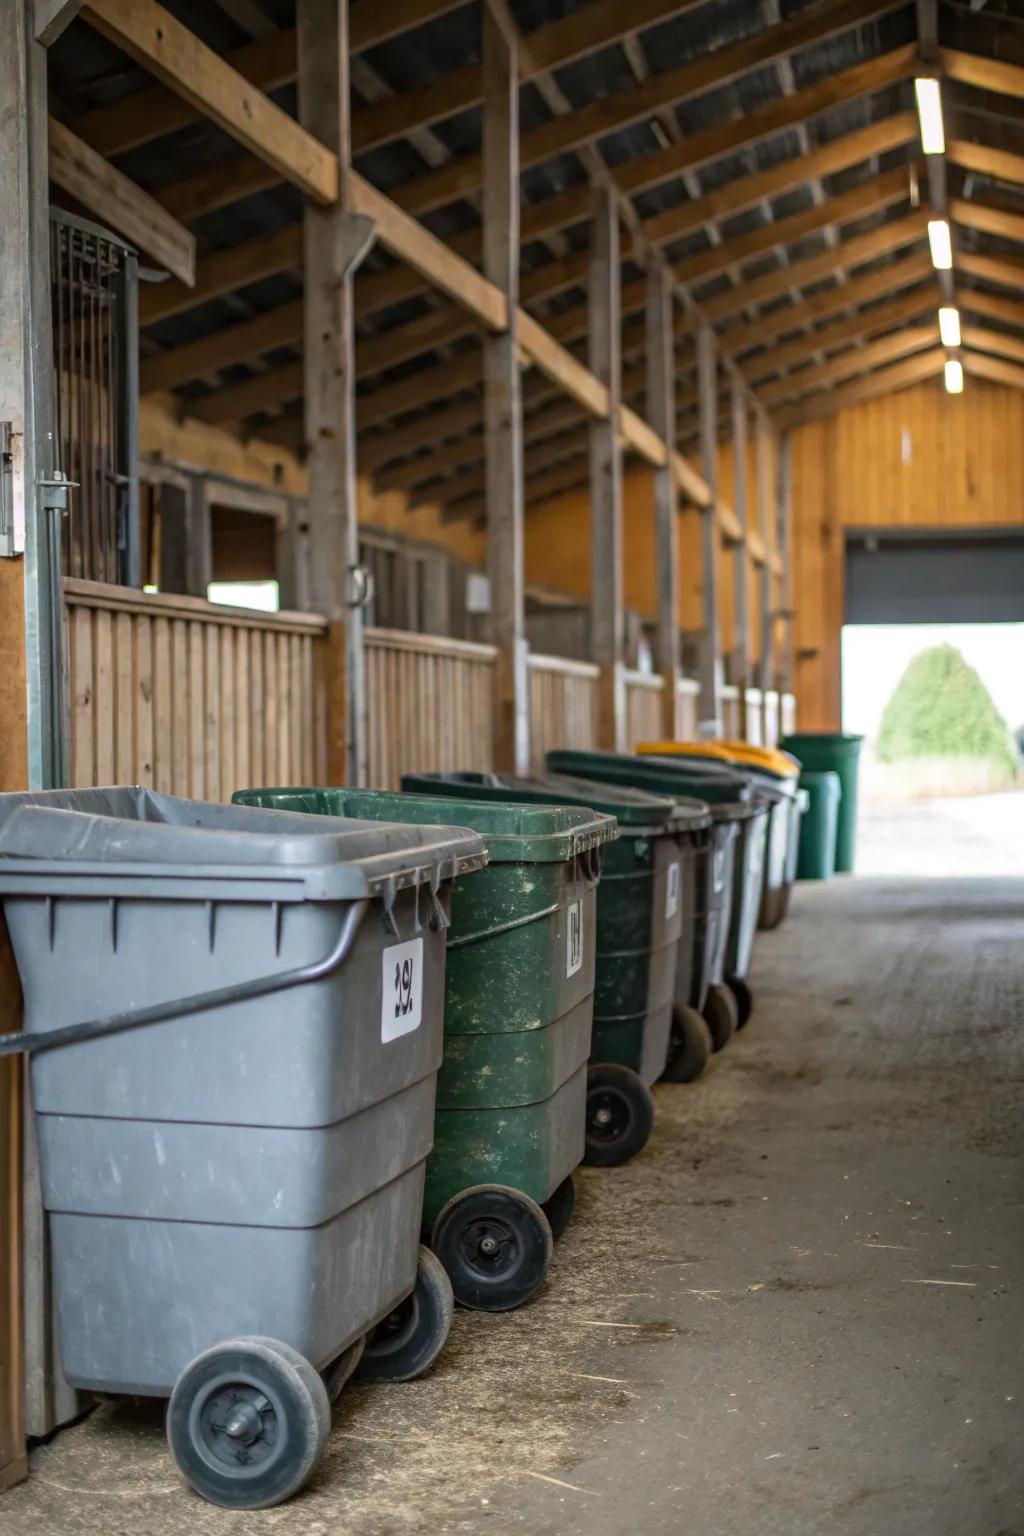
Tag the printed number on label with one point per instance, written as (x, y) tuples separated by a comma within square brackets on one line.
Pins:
[(574, 939), (672, 890), (401, 1008)]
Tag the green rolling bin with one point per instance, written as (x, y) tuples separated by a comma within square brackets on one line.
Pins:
[(639, 920), (835, 752), (509, 1124), (817, 859)]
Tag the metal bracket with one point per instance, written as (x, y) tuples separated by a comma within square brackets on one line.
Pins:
[(357, 235), (53, 491)]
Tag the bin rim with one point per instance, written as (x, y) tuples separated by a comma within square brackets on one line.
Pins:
[(638, 814), (129, 840), (542, 834)]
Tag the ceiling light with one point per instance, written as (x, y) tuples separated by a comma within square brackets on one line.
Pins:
[(949, 325), (929, 113), (941, 244), (954, 376)]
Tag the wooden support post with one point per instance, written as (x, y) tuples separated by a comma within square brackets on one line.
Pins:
[(740, 549), (335, 242), (607, 628), (766, 655), (710, 720), (661, 414), (784, 538), (503, 402)]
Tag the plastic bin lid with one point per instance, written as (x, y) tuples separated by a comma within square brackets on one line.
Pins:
[(632, 808), (512, 833), (781, 765), (125, 834), (713, 783)]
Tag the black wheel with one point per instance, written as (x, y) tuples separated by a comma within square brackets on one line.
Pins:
[(721, 1014), (689, 1047), (744, 999), (410, 1338), (620, 1115), (247, 1422), (559, 1207), (495, 1244), (342, 1369)]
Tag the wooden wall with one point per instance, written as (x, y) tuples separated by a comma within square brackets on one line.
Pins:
[(920, 458)]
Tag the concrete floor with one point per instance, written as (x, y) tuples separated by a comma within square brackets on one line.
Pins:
[(800, 1311)]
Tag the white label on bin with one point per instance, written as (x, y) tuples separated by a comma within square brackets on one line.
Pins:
[(401, 1008), (574, 939), (672, 890)]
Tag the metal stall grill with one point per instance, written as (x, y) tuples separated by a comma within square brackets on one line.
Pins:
[(94, 278)]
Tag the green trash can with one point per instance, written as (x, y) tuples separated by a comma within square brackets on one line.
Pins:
[(836, 752), (703, 1015), (519, 991), (817, 859), (639, 919)]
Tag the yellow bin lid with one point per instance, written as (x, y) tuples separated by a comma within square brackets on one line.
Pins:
[(711, 749), (767, 759)]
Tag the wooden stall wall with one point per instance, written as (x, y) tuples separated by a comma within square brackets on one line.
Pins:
[(430, 705), (920, 458)]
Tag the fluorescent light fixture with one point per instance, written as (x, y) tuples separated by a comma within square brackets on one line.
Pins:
[(954, 376), (949, 325), (941, 244), (929, 113)]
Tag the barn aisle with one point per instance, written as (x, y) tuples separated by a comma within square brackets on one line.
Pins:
[(799, 1311)]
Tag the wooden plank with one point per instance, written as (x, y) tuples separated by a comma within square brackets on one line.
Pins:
[(559, 365), (989, 220), (607, 623), (163, 707), (996, 306), (986, 161), (179, 686), (848, 254), (982, 339), (99, 594), (329, 366), (985, 74), (142, 688), (665, 88), (868, 197), (103, 701), (884, 381), (994, 368), (662, 410), (740, 561), (52, 17), (125, 761), (503, 401), (855, 361), (224, 272), (710, 666), (747, 191), (1003, 269), (859, 326), (154, 38), (280, 327), (113, 199)]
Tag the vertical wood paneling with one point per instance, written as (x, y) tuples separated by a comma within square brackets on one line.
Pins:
[(431, 705)]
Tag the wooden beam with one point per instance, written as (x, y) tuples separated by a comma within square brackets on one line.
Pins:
[(281, 327), (858, 326), (869, 197), (765, 523), (815, 24), (784, 540), (885, 382), (562, 368), (996, 306), (986, 161), (740, 563), (989, 220), (993, 368), (848, 254), (224, 272), (661, 408), (154, 38), (1008, 271), (52, 17), (981, 339), (113, 199), (985, 74), (857, 360), (503, 400), (553, 46), (607, 623), (747, 191), (333, 242), (710, 663)]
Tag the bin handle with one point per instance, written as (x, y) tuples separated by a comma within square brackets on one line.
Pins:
[(28, 1042)]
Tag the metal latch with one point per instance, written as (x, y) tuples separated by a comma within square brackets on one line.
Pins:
[(10, 544), (53, 491)]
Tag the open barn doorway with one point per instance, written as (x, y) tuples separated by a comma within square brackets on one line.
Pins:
[(933, 679)]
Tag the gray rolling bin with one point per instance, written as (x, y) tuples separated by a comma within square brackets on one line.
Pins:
[(235, 1022)]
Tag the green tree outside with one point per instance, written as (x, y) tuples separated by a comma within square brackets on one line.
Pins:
[(941, 708)]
